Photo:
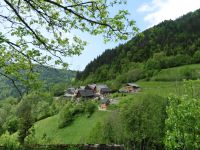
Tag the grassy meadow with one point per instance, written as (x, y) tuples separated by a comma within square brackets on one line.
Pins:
[(77, 132), (178, 73)]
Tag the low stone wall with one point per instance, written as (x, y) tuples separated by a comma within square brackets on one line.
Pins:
[(70, 147), (76, 147)]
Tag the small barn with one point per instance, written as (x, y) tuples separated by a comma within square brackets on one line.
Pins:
[(103, 89), (104, 103), (131, 87), (85, 93)]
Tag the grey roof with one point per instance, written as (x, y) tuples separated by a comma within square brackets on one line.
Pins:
[(85, 93), (105, 101), (103, 88), (70, 91), (133, 85)]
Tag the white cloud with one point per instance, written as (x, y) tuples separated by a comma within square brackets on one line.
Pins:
[(160, 10), (145, 8)]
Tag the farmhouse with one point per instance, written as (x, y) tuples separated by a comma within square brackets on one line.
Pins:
[(103, 89), (85, 93)]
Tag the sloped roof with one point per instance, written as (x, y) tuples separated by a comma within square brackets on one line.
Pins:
[(105, 101), (133, 85), (103, 88), (70, 91), (85, 93)]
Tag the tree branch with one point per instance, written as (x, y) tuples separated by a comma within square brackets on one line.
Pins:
[(13, 82), (81, 16)]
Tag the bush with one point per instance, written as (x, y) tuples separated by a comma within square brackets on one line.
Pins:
[(65, 116), (183, 123), (131, 76), (109, 131), (58, 89), (152, 64), (9, 142), (196, 57), (71, 110), (90, 108), (11, 124), (143, 118), (42, 110)]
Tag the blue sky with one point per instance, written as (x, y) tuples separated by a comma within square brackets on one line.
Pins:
[(146, 13)]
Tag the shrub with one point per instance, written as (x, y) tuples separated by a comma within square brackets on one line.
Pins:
[(11, 124), (183, 123), (109, 131), (65, 117), (196, 57), (152, 64), (90, 108), (58, 89), (42, 110), (9, 142), (143, 118)]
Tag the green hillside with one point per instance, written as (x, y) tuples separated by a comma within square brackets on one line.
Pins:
[(178, 73), (168, 44), (78, 132), (49, 76)]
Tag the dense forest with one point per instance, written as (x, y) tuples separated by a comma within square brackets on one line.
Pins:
[(168, 44), (51, 78)]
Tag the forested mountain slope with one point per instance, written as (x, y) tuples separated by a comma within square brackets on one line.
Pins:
[(168, 44), (49, 76)]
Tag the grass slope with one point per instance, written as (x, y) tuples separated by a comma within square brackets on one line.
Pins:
[(178, 73), (161, 88), (76, 133)]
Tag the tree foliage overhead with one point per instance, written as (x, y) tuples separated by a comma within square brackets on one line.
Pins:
[(41, 31)]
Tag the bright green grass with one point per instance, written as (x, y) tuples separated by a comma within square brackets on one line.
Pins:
[(178, 73), (76, 133), (161, 88), (167, 88)]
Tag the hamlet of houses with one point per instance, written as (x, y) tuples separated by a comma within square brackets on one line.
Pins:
[(99, 91)]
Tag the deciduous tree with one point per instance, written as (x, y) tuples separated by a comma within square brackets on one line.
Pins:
[(41, 31)]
